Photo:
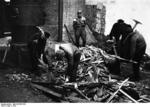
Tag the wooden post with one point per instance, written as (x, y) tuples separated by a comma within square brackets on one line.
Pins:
[(60, 19)]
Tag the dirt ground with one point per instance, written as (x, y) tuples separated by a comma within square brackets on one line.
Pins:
[(13, 91)]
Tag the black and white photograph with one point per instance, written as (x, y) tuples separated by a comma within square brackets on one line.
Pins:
[(74, 51)]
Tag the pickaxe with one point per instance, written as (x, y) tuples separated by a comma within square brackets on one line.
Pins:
[(136, 23)]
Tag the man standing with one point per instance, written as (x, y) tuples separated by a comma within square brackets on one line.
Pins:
[(115, 35), (79, 28), (60, 50), (115, 31), (36, 47), (133, 47)]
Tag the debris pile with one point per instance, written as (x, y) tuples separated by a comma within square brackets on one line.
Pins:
[(92, 65), (94, 83), (18, 77)]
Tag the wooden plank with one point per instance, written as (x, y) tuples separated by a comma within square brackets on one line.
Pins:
[(81, 94), (76, 99), (73, 88), (117, 90), (69, 34), (128, 96), (47, 90)]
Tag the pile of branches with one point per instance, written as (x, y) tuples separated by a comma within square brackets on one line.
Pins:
[(94, 83)]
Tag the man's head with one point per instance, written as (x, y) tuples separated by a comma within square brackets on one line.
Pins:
[(120, 21), (79, 13), (116, 29), (43, 33)]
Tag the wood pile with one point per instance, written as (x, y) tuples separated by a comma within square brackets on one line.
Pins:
[(94, 82)]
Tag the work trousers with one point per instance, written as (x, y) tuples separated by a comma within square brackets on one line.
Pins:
[(34, 56), (80, 32), (138, 57), (73, 62)]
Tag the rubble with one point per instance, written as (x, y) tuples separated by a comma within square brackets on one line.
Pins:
[(94, 81), (20, 77)]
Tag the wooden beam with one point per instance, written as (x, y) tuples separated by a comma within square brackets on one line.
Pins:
[(47, 90), (133, 100), (117, 90)]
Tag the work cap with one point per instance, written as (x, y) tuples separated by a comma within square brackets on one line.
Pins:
[(120, 21)]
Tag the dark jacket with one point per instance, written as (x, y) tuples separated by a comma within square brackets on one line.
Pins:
[(116, 30), (133, 46), (138, 45), (79, 23)]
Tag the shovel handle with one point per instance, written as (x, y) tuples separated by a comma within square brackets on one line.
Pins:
[(123, 59)]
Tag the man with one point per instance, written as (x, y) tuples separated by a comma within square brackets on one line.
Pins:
[(36, 47), (60, 50), (115, 35), (133, 47), (79, 28), (115, 32)]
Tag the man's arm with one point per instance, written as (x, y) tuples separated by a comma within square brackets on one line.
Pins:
[(85, 21), (111, 35), (74, 24)]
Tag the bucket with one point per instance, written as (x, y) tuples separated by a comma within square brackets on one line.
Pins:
[(126, 69)]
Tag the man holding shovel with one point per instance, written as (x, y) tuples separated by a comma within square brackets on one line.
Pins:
[(58, 51)]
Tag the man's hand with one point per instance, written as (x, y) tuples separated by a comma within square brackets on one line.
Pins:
[(35, 41), (110, 41)]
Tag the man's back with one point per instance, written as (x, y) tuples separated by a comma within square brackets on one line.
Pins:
[(138, 41), (52, 48)]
